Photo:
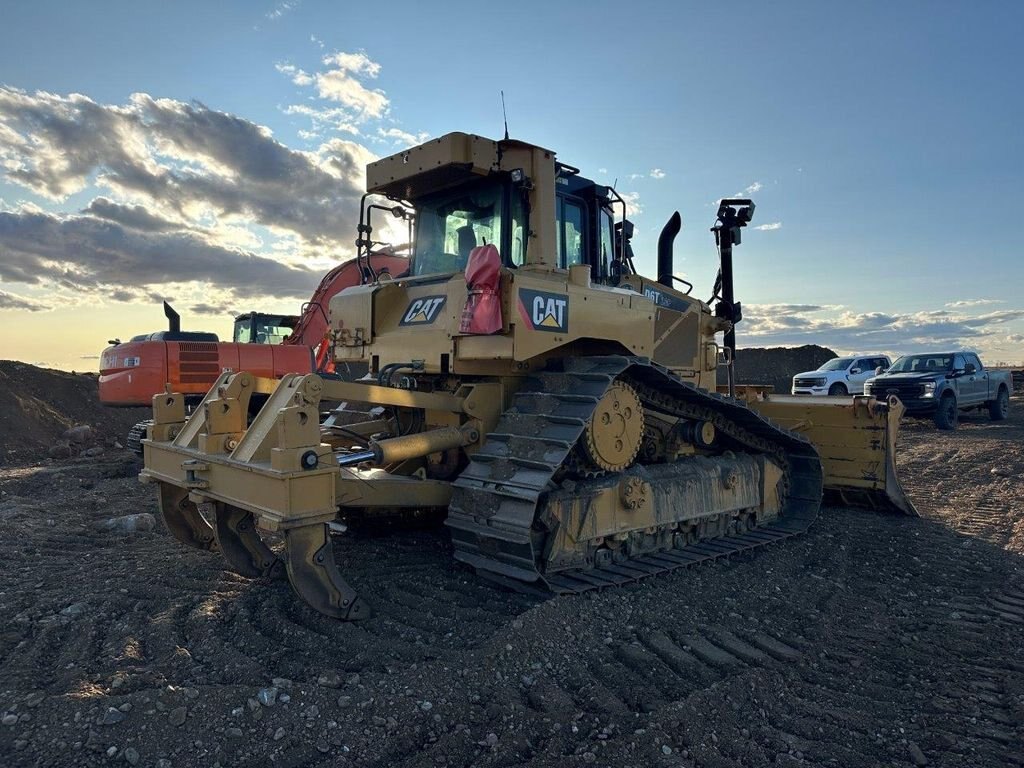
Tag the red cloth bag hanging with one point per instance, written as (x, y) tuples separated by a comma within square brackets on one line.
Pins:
[(482, 313)]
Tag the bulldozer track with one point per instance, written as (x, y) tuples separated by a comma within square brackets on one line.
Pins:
[(501, 493)]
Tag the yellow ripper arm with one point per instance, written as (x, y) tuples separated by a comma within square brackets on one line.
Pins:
[(856, 438)]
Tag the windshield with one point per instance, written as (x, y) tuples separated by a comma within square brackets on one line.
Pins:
[(269, 329), (837, 364), (922, 364), (451, 224)]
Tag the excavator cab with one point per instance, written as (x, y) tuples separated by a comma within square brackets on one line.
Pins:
[(262, 328)]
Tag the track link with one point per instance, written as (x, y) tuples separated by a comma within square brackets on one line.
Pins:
[(501, 492), (136, 435)]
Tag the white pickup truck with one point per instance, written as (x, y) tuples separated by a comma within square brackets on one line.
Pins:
[(840, 375)]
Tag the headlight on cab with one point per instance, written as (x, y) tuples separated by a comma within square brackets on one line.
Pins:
[(928, 389)]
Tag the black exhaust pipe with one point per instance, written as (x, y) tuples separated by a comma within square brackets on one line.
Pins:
[(665, 240), (173, 319)]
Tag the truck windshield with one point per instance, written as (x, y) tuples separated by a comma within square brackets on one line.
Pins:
[(922, 364), (837, 364), (450, 224)]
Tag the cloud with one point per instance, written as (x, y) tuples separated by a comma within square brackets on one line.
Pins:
[(212, 309), (757, 186), (184, 160), (342, 84), (633, 206), (400, 137), (851, 332), (11, 301), (333, 118), (789, 309), (298, 76), (973, 303), (103, 257), (344, 98), (657, 173), (89, 357), (282, 8), (134, 216), (771, 227)]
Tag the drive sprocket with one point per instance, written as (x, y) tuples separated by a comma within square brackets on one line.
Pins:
[(615, 431)]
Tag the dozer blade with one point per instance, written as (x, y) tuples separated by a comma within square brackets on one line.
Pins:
[(183, 520), (241, 545), (856, 438), (314, 575)]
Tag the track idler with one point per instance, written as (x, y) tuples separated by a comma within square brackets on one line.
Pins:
[(241, 545), (183, 519), (315, 577)]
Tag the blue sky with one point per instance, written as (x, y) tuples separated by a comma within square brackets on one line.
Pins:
[(881, 142)]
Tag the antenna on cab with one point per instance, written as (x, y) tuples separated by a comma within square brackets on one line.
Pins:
[(504, 114)]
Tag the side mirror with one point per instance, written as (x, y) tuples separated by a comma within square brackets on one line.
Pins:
[(969, 368), (854, 371)]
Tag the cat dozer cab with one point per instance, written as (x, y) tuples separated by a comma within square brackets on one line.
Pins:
[(558, 408)]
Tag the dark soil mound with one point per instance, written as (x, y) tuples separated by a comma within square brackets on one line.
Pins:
[(776, 365), (39, 404)]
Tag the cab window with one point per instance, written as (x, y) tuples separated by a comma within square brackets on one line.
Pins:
[(959, 363), (520, 230), (452, 223), (607, 244), (570, 234), (971, 358)]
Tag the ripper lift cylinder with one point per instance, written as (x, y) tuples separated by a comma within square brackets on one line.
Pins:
[(395, 449)]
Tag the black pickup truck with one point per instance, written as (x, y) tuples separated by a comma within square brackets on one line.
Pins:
[(941, 384)]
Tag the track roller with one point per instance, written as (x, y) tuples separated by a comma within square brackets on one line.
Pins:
[(314, 575), (183, 520), (242, 546)]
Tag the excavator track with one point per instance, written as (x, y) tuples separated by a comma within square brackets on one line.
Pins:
[(136, 435), (502, 493)]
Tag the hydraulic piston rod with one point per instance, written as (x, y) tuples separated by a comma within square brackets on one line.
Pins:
[(397, 449)]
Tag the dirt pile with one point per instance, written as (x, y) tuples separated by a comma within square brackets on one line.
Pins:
[(38, 405), (776, 365)]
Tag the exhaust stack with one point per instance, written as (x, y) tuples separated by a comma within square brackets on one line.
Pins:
[(665, 241), (173, 319)]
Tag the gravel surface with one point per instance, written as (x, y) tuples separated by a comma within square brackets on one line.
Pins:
[(873, 640)]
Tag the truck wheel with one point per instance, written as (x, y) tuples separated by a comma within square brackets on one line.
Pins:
[(947, 415), (999, 408), (838, 389)]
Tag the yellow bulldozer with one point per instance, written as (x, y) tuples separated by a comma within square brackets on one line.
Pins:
[(558, 408)]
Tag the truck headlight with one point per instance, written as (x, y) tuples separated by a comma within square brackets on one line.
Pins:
[(867, 388), (928, 389)]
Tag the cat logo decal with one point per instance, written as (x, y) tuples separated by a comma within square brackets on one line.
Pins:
[(544, 311)]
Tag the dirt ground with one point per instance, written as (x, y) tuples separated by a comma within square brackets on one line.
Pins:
[(872, 641)]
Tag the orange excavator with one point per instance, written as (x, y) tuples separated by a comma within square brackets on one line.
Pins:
[(270, 346)]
